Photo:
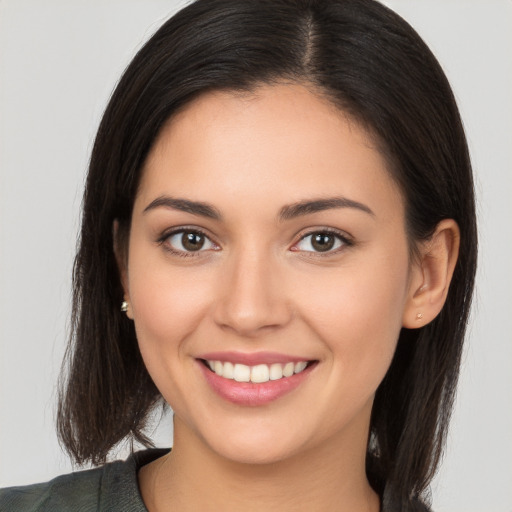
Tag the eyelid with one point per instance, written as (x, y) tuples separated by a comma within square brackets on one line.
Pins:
[(345, 238), (185, 229)]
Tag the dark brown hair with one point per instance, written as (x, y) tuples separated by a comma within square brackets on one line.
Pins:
[(371, 64)]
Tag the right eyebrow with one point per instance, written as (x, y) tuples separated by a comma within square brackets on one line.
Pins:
[(185, 205)]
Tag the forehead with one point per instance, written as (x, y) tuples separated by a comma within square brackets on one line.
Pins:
[(281, 143)]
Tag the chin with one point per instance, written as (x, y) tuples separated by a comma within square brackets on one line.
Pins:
[(252, 454), (256, 446)]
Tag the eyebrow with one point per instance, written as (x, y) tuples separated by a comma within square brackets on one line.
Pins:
[(184, 205), (317, 205), (287, 212)]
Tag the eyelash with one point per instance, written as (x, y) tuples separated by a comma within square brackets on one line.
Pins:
[(182, 230), (341, 237), (345, 240)]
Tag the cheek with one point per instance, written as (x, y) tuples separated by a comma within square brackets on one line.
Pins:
[(167, 308), (167, 305), (357, 312)]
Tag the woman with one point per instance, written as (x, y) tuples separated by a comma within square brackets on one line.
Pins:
[(284, 212)]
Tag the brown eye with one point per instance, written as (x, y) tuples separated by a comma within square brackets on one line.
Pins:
[(189, 241), (321, 241), (192, 241)]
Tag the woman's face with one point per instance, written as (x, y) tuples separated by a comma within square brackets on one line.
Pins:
[(267, 235)]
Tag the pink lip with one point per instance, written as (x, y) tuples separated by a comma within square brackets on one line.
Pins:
[(250, 394), (251, 359)]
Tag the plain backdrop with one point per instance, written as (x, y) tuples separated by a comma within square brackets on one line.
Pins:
[(59, 61)]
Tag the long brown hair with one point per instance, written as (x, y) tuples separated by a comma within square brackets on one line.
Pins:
[(371, 64)]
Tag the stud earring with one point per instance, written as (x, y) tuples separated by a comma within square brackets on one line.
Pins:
[(419, 316), (124, 306)]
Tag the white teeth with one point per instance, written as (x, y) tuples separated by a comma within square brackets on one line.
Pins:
[(300, 366), (228, 370), (242, 373), (217, 368), (288, 369), (260, 373), (256, 374), (276, 371)]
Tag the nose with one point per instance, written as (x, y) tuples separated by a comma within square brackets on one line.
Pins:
[(252, 298)]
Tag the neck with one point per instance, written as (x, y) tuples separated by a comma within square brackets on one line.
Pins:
[(193, 477)]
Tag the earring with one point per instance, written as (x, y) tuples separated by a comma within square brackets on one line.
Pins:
[(419, 316), (124, 306)]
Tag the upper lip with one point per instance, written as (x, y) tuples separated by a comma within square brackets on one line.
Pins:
[(252, 358)]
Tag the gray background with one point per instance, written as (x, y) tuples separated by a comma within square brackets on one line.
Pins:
[(58, 64)]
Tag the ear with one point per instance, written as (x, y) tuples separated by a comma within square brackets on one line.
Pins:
[(431, 275), (120, 252)]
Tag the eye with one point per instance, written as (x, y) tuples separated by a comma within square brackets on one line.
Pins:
[(321, 241), (188, 241)]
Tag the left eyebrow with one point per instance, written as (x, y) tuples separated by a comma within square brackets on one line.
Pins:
[(317, 205)]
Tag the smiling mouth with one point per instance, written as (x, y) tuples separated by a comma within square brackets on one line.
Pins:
[(257, 374)]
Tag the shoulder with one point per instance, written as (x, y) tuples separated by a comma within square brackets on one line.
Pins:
[(112, 487), (76, 491)]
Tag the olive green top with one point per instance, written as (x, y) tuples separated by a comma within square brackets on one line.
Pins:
[(112, 487)]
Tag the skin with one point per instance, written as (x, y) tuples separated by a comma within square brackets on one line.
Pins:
[(259, 285)]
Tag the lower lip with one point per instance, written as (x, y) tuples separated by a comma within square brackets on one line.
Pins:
[(250, 394)]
